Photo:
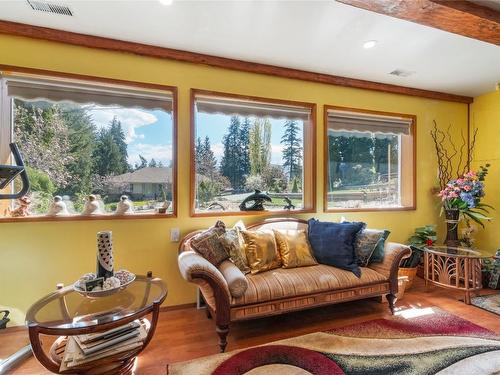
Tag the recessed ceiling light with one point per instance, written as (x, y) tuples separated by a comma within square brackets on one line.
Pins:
[(166, 2), (369, 44)]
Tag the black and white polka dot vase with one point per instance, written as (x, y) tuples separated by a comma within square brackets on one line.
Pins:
[(105, 261)]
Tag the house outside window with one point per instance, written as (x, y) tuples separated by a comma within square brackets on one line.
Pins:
[(370, 160), (82, 137), (243, 144)]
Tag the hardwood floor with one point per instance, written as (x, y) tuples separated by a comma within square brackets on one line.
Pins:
[(187, 334)]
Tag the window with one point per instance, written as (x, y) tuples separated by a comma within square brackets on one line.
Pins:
[(87, 137), (243, 144), (370, 161)]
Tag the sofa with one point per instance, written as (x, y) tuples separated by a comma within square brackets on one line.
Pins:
[(232, 296)]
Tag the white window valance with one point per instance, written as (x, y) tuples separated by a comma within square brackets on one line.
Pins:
[(344, 121), (82, 92), (247, 108)]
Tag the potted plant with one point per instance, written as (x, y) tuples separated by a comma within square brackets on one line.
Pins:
[(462, 198), (423, 236)]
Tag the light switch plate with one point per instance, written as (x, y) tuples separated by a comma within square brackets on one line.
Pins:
[(175, 234)]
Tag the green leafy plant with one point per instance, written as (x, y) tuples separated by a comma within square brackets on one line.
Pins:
[(423, 236)]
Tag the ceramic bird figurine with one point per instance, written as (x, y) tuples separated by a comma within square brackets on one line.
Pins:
[(91, 206), (124, 206), (58, 207)]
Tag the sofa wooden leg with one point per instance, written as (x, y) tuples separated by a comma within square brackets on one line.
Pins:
[(222, 331), (391, 298), (208, 313)]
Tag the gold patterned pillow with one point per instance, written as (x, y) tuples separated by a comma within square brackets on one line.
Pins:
[(261, 251), (294, 248), (209, 245), (234, 244)]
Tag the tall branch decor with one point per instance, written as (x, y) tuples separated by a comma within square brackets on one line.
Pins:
[(461, 189)]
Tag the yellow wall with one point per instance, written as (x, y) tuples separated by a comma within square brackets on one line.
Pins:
[(485, 116), (36, 256)]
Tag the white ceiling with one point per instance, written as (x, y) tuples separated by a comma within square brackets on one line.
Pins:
[(318, 36)]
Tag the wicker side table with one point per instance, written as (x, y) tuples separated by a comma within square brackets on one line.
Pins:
[(453, 268)]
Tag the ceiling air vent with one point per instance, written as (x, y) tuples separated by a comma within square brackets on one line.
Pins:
[(401, 73), (44, 6)]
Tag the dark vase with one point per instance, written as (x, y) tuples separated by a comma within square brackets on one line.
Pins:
[(452, 218)]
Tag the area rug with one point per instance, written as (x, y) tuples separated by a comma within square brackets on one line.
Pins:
[(424, 341), (490, 303)]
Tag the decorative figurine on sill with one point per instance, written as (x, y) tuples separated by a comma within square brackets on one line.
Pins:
[(23, 208), (256, 201), (124, 206), (164, 207), (58, 207), (289, 205), (91, 206)]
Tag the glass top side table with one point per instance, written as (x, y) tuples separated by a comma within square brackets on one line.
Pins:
[(456, 268), (66, 312)]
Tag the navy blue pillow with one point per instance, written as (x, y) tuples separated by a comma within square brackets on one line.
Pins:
[(333, 244)]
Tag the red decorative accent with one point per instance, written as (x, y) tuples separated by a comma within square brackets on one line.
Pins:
[(429, 242), (437, 323), (314, 362)]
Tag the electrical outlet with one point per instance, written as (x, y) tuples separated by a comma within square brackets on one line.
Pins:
[(175, 234)]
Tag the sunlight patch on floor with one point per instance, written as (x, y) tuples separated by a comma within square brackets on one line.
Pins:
[(414, 312)]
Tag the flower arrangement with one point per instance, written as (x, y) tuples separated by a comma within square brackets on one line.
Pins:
[(465, 193)]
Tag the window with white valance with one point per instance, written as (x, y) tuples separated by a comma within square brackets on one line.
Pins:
[(243, 144), (370, 160), (96, 137)]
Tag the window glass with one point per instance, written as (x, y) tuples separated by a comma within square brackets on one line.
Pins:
[(366, 157), (243, 146), (75, 146)]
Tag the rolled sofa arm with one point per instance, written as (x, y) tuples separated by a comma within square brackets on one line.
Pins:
[(393, 254)]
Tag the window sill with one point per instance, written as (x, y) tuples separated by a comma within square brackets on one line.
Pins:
[(85, 218), (369, 209), (253, 213)]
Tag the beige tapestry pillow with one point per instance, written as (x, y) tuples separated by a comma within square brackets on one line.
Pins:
[(294, 248), (234, 245), (209, 244), (261, 251)]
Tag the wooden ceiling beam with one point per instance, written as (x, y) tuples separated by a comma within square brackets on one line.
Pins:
[(455, 16)]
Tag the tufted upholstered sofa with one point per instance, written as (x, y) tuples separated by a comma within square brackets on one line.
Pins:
[(232, 296)]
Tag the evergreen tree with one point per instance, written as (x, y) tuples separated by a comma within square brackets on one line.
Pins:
[(82, 140), (206, 163), (153, 164), (230, 163), (143, 163), (107, 155), (244, 148), (118, 135), (292, 149)]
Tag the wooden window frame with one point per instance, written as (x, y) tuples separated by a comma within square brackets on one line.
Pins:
[(311, 188), (111, 81), (412, 153)]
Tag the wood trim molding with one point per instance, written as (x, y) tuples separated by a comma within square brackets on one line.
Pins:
[(309, 197), (84, 40), (104, 80), (455, 16), (326, 158)]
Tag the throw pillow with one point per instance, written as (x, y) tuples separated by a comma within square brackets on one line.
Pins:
[(378, 253), (209, 245), (294, 248), (365, 245), (333, 244), (234, 244), (261, 251)]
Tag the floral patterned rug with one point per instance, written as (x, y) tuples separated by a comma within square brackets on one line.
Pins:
[(490, 303), (418, 341)]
